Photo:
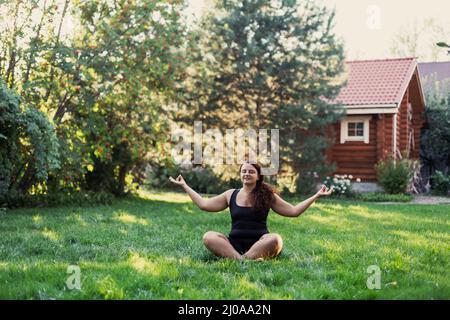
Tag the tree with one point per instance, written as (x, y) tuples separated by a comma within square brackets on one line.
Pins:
[(418, 39), (122, 73), (22, 38), (104, 84), (269, 64)]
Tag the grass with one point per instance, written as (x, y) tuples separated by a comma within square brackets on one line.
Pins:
[(150, 248)]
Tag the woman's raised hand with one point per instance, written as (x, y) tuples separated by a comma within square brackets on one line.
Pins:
[(178, 181), (324, 191)]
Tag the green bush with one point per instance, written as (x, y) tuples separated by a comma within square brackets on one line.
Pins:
[(394, 176), (383, 197), (28, 145), (441, 184), (202, 180)]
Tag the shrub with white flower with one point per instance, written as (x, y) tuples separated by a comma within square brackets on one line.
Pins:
[(340, 183)]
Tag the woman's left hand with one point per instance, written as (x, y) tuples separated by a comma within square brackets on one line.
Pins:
[(324, 191)]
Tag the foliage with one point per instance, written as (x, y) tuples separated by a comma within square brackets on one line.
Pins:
[(394, 175), (443, 45), (441, 183), (123, 65), (105, 83), (29, 147), (201, 179), (268, 65)]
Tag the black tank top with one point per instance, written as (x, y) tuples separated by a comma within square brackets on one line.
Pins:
[(245, 223)]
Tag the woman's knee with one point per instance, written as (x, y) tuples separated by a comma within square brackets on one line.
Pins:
[(210, 236), (275, 241)]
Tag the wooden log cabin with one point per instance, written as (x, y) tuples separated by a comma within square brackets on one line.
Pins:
[(384, 107)]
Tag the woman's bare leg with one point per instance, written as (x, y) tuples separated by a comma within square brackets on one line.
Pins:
[(268, 246), (218, 244)]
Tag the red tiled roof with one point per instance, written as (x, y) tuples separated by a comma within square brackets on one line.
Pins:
[(376, 82)]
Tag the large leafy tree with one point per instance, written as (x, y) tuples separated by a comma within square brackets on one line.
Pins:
[(124, 69), (103, 83), (269, 64)]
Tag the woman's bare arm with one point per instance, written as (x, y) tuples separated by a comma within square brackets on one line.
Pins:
[(286, 209), (214, 204)]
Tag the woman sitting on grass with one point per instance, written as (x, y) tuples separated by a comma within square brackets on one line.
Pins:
[(249, 206)]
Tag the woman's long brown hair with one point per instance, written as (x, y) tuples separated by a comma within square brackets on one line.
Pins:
[(263, 193)]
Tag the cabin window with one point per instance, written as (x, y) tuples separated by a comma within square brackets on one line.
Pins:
[(355, 128)]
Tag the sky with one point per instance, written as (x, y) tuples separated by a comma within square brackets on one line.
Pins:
[(368, 27)]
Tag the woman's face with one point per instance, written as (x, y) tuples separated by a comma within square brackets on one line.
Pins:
[(249, 175)]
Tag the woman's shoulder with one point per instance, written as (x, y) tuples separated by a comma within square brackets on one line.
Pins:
[(228, 194)]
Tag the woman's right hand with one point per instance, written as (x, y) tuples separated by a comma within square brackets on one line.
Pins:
[(178, 181)]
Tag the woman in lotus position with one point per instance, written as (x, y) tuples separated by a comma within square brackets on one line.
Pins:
[(249, 206)]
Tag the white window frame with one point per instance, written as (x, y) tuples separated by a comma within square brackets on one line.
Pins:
[(344, 128)]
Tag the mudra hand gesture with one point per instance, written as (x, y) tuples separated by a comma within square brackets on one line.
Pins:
[(324, 191), (178, 181)]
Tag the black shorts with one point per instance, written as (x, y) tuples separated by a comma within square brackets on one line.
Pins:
[(242, 245)]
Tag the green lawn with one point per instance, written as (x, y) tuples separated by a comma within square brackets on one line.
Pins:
[(151, 248)]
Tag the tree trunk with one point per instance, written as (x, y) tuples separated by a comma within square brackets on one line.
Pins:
[(27, 180), (58, 36), (120, 190), (32, 52)]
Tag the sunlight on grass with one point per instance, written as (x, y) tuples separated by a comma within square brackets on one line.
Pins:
[(161, 267), (413, 238), (80, 220), (328, 245), (363, 212), (334, 209), (37, 218), (245, 285), (171, 197), (188, 210), (144, 265), (109, 289), (396, 259), (128, 218), (320, 219), (50, 235)]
